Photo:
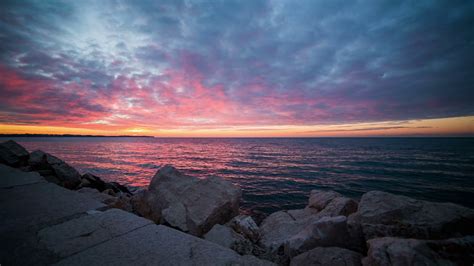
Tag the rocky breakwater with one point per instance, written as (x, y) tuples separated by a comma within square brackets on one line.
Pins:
[(379, 229)]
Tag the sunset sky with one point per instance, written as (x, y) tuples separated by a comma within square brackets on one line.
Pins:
[(237, 68)]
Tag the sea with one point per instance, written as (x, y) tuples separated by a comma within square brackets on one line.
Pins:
[(279, 173)]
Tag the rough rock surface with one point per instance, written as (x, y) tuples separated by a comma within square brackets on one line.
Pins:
[(328, 256), (13, 154), (245, 226), (157, 244), (280, 226), (193, 205), (399, 252), (90, 180), (383, 214), (54, 169), (325, 232), (225, 236)]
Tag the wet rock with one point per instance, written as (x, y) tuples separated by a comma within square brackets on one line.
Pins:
[(225, 236), (63, 173), (320, 199), (383, 214), (13, 154), (245, 226), (398, 251), (325, 232), (193, 205), (330, 256)]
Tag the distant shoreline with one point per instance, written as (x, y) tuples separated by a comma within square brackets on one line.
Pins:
[(71, 136), (155, 137)]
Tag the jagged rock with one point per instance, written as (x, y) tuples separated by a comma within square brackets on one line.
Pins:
[(383, 214), (90, 180), (328, 256), (117, 188), (320, 199), (325, 232), (280, 226), (122, 202), (245, 226), (66, 175), (398, 252), (225, 236), (193, 205), (13, 154)]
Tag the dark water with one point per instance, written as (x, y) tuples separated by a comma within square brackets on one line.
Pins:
[(279, 173)]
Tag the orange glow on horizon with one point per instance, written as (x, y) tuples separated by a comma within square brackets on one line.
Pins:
[(456, 126)]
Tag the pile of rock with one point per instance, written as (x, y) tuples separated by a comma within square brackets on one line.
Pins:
[(57, 171), (381, 229)]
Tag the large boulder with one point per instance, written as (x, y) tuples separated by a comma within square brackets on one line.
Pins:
[(54, 169), (188, 203), (280, 226), (13, 154), (328, 256), (383, 214), (398, 252), (325, 232)]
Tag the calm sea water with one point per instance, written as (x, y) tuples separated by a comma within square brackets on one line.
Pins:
[(278, 174)]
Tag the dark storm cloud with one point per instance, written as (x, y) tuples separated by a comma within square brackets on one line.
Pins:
[(291, 62)]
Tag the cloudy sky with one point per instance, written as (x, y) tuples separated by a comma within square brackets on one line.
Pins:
[(188, 67)]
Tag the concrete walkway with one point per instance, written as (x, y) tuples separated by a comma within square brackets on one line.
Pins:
[(42, 223)]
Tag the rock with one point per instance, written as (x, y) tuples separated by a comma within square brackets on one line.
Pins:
[(325, 232), (117, 188), (280, 226), (227, 237), (193, 205), (13, 154), (122, 202), (245, 226), (84, 232), (58, 170), (110, 192), (10, 177), (397, 251), (90, 180), (339, 206), (330, 256), (320, 199), (383, 214), (157, 244)]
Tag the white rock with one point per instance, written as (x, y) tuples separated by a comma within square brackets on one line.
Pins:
[(328, 256)]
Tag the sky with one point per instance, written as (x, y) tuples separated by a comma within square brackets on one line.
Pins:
[(237, 68)]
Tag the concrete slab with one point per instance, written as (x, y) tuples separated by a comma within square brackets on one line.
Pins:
[(159, 245), (28, 208), (10, 177), (86, 231)]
